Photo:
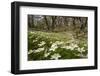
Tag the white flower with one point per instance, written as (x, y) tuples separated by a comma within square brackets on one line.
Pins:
[(53, 47), (58, 42), (74, 45), (55, 56), (46, 54), (38, 50), (32, 32), (68, 47), (30, 51), (81, 55), (81, 49), (41, 43), (34, 41)]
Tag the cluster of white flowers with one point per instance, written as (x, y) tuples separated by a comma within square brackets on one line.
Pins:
[(81, 49), (68, 47), (52, 46), (30, 51), (46, 54), (35, 51), (38, 50), (55, 45), (81, 55), (34, 40), (32, 32), (41, 43), (72, 46), (59, 43), (55, 56)]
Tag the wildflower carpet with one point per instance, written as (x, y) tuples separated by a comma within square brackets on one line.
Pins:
[(55, 46)]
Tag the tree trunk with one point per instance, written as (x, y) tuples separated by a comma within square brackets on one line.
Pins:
[(46, 21)]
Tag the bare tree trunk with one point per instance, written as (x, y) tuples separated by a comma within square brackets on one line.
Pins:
[(46, 21), (53, 22), (30, 21)]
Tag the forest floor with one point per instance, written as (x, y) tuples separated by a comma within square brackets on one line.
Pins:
[(54, 46)]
